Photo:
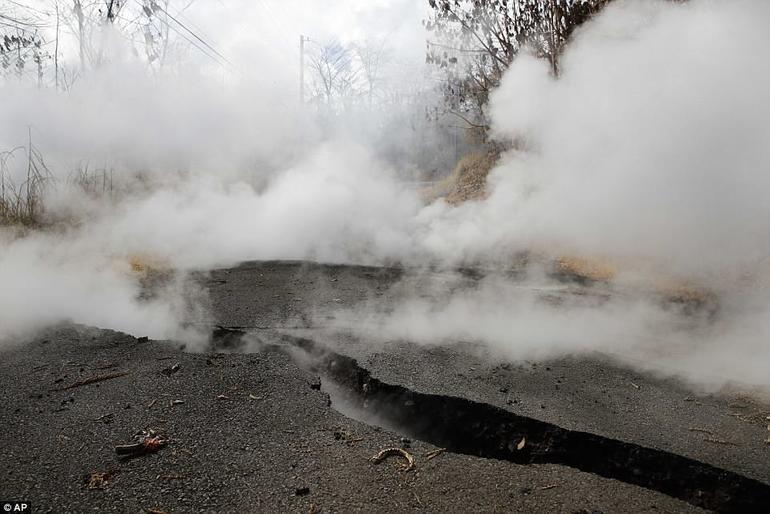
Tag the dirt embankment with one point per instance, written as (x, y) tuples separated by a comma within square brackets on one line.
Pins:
[(468, 181)]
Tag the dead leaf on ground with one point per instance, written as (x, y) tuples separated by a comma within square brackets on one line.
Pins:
[(98, 480)]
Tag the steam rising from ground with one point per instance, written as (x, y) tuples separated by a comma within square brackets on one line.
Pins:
[(537, 318), (650, 150), (654, 142)]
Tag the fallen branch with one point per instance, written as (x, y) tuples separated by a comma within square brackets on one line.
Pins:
[(418, 500), (147, 441), (434, 453), (719, 441), (94, 380), (387, 452)]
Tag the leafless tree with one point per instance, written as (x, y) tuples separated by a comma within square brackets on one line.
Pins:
[(20, 43), (333, 74), (370, 56), (475, 41)]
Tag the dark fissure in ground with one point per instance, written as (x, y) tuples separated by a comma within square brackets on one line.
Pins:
[(482, 430)]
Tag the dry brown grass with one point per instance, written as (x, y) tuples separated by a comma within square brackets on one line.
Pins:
[(21, 204), (468, 181), (686, 293), (585, 268), (144, 264)]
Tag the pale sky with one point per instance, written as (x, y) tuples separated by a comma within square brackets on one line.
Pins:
[(257, 36)]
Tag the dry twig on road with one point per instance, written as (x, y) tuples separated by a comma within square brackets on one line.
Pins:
[(94, 380), (388, 452)]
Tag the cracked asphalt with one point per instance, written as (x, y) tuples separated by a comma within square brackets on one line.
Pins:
[(253, 433)]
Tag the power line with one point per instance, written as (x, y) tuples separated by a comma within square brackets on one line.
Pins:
[(24, 6), (193, 34), (17, 27), (20, 22), (193, 43), (182, 16)]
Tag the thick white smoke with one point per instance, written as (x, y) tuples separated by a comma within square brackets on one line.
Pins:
[(50, 278), (195, 165), (649, 150), (339, 204), (653, 142), (650, 145)]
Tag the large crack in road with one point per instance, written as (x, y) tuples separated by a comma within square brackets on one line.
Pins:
[(479, 429)]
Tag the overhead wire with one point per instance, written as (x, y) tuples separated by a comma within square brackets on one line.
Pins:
[(193, 34), (14, 26), (193, 43), (25, 23), (218, 55), (25, 6)]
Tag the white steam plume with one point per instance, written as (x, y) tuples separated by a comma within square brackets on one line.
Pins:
[(649, 150)]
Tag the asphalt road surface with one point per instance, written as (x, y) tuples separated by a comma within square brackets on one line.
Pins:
[(254, 432)]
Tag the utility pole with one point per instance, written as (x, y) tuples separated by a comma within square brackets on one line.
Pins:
[(56, 49), (78, 9), (302, 40), (110, 14)]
